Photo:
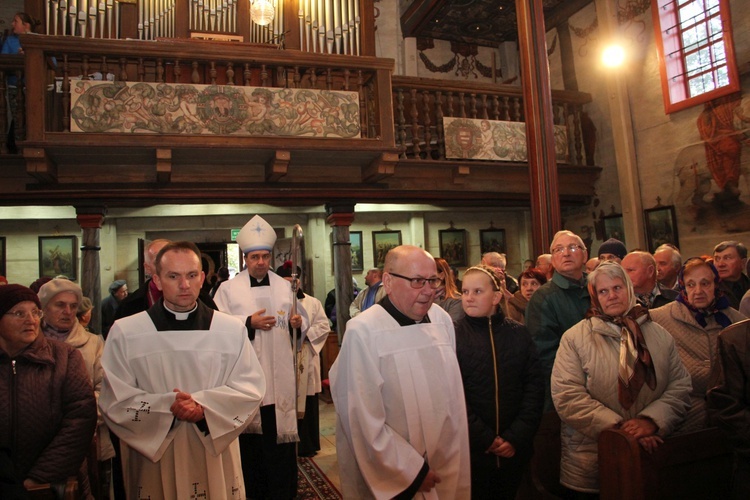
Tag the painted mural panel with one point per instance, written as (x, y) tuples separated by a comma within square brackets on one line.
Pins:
[(467, 138), (712, 178), (162, 108)]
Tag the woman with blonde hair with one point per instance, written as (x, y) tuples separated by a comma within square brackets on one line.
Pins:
[(503, 387), (448, 296)]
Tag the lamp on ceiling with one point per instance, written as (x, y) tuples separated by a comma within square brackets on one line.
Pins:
[(262, 12)]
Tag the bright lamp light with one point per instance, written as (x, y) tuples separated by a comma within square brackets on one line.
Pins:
[(262, 12), (613, 56)]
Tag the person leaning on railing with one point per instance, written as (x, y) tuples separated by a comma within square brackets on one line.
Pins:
[(21, 25), (615, 368), (695, 319)]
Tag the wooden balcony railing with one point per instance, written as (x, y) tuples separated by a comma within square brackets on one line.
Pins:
[(420, 104), (197, 62), (401, 118)]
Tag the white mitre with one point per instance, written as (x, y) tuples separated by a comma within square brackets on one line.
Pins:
[(256, 235)]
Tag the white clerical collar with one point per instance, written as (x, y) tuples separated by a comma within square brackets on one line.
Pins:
[(181, 316)]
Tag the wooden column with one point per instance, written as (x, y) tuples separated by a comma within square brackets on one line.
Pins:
[(537, 102), (90, 219), (622, 133), (340, 216)]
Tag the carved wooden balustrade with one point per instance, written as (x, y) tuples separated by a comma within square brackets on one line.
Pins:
[(400, 152), (48, 120), (212, 63), (420, 105)]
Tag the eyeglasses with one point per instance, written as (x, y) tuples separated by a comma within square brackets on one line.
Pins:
[(35, 314), (420, 282), (573, 248)]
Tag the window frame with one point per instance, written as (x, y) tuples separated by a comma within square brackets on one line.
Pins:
[(674, 80)]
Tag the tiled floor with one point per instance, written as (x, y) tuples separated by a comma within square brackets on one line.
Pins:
[(326, 458)]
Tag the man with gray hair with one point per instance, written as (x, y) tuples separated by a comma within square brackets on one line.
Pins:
[(668, 264), (560, 303), (498, 261), (730, 259), (544, 264), (641, 268)]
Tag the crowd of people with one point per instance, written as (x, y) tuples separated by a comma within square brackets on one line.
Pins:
[(439, 388)]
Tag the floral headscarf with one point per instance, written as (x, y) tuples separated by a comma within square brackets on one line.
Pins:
[(715, 308), (635, 367)]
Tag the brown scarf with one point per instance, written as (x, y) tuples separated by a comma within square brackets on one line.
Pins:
[(635, 367)]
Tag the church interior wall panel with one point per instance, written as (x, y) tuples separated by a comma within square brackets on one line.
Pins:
[(22, 245), (473, 222), (389, 40), (672, 155), (591, 78)]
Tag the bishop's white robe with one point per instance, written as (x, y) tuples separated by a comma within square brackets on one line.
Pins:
[(400, 402), (273, 347), (165, 458)]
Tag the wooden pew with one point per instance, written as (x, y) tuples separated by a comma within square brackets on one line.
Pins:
[(692, 465), (44, 491)]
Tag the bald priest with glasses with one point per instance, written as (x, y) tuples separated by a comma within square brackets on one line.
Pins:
[(401, 426)]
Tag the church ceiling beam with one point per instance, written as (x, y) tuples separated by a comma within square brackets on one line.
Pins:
[(380, 168), (39, 165), (163, 165), (278, 166)]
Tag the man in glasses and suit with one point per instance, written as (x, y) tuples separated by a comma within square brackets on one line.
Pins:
[(401, 417)]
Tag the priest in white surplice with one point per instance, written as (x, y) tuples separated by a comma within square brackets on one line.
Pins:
[(401, 427), (181, 383), (263, 300)]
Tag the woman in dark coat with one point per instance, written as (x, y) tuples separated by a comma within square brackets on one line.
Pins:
[(503, 386), (48, 411)]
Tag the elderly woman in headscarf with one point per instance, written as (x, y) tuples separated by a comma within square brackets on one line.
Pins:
[(616, 368), (529, 282), (695, 320), (48, 413), (85, 309), (118, 290)]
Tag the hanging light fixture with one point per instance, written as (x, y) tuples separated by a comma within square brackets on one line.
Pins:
[(262, 12)]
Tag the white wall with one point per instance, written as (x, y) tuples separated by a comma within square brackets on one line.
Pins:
[(671, 157)]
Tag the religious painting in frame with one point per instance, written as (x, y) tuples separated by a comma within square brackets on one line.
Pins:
[(2, 256), (614, 228), (358, 258), (492, 240), (382, 242), (453, 246), (58, 256), (661, 227)]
